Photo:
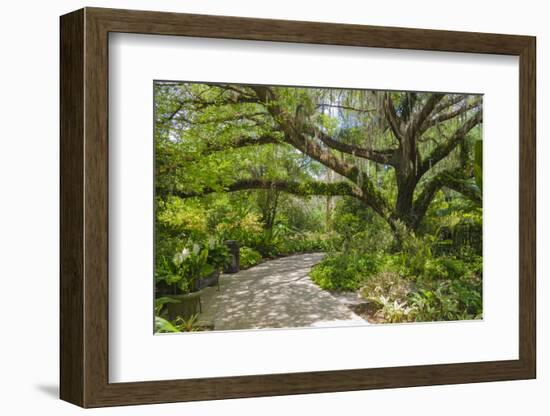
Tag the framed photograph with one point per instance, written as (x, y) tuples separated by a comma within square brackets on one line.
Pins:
[(255, 207)]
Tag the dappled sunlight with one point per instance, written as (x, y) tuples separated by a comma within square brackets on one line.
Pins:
[(275, 294)]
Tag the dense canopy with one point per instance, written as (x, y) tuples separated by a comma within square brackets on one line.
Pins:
[(356, 173)]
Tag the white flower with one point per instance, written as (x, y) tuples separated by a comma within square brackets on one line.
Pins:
[(180, 257)]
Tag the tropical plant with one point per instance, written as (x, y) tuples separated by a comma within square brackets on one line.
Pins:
[(164, 326), (180, 324), (249, 257), (218, 255)]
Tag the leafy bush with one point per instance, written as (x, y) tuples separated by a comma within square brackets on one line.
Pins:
[(182, 218), (347, 225), (394, 311), (415, 254), (397, 299), (266, 244), (386, 285), (439, 268), (449, 300), (357, 228), (218, 256), (281, 241), (416, 286), (179, 274), (303, 243), (457, 224), (249, 257), (344, 271), (246, 229)]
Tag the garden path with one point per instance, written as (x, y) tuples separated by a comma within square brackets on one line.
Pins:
[(274, 294)]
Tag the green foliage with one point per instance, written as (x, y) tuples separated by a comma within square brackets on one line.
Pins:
[(218, 256), (457, 226), (478, 163), (429, 271), (244, 229), (394, 311), (187, 325), (384, 286), (164, 326), (178, 325), (305, 215), (399, 300), (182, 218), (249, 257), (160, 302), (358, 228), (302, 243), (416, 253), (347, 225), (456, 299), (409, 285), (194, 261), (344, 271)]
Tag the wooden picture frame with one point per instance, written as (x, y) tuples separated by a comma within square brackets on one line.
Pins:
[(84, 207)]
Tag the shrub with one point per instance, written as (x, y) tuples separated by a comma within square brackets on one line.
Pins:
[(394, 311), (246, 229), (218, 256), (347, 225), (266, 245), (302, 243), (447, 289), (249, 257), (180, 273), (387, 285), (344, 271), (444, 268), (182, 218)]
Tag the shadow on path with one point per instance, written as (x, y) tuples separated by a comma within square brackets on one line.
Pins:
[(275, 294)]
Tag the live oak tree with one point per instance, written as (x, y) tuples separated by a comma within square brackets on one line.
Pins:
[(392, 151)]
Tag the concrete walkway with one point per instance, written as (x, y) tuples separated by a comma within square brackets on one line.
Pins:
[(274, 294)]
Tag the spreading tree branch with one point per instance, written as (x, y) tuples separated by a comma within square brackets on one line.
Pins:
[(419, 118), (297, 188), (449, 101), (210, 148), (243, 141), (391, 117), (235, 117), (452, 179), (199, 104), (380, 156), (445, 148), (297, 137), (448, 115), (347, 107)]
